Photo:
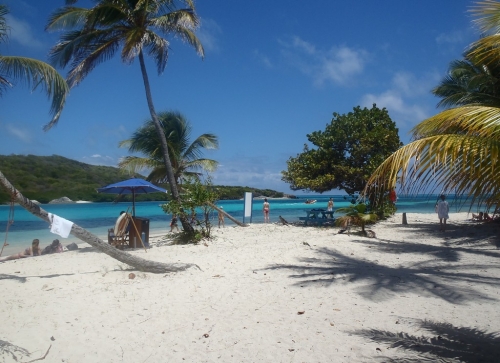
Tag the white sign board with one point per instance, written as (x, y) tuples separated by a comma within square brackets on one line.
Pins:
[(247, 211)]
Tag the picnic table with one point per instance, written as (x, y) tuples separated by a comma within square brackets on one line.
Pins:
[(318, 216)]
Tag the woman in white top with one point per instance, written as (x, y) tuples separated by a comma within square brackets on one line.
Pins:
[(442, 209)]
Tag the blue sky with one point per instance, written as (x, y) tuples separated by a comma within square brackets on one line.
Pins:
[(273, 72)]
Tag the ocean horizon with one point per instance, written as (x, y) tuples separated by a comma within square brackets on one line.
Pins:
[(97, 218)]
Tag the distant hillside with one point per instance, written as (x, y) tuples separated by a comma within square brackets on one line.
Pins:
[(45, 178), (50, 177)]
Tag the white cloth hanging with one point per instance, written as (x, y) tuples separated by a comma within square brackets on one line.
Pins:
[(60, 226)]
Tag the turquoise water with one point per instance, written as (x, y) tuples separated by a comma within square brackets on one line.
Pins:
[(98, 217)]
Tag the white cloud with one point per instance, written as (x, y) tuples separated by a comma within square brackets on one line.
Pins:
[(406, 99), (208, 34), (411, 86), (256, 172), (394, 102), (21, 32), (21, 134), (454, 37), (337, 65), (98, 159), (263, 59)]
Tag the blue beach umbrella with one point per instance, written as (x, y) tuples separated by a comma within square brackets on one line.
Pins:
[(131, 186)]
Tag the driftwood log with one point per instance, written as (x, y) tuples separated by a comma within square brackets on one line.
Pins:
[(84, 235), (283, 221)]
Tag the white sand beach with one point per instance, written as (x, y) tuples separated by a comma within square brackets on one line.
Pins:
[(266, 293)]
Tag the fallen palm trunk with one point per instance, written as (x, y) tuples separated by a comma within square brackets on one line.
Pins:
[(84, 235), (227, 215)]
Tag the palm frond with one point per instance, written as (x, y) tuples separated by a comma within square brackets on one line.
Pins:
[(4, 29), (185, 157), (474, 120), (135, 164), (463, 164), (68, 17), (487, 14), (35, 74)]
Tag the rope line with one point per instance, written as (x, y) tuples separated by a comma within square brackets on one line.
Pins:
[(10, 221)]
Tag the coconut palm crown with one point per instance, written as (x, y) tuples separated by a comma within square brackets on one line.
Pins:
[(32, 72), (135, 28), (457, 150), (185, 156)]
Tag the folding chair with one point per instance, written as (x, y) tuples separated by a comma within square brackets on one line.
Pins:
[(118, 236)]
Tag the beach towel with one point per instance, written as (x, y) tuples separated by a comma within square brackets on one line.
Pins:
[(60, 226)]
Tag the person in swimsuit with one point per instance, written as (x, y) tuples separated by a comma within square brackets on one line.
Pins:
[(173, 223), (329, 207), (221, 218), (54, 247), (265, 209), (34, 250)]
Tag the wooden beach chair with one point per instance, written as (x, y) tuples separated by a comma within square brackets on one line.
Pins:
[(118, 236)]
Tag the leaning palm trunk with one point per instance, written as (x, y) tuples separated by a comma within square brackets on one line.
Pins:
[(84, 235), (228, 216), (188, 228)]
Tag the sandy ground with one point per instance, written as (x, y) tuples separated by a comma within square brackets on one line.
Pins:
[(266, 293)]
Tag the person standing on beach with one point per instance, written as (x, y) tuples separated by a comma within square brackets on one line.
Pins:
[(442, 209), (329, 206), (173, 223), (392, 196), (265, 209), (221, 218), (34, 250)]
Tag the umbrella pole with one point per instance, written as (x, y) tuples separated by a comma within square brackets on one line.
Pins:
[(133, 202)]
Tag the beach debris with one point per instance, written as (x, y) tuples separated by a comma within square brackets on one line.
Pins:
[(131, 276), (379, 349), (52, 338), (371, 234), (72, 246), (291, 349), (283, 221), (307, 244), (205, 335), (300, 312), (41, 358)]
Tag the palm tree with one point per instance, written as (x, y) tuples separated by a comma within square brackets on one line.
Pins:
[(185, 157), (458, 149), (469, 83), (135, 26), (33, 72)]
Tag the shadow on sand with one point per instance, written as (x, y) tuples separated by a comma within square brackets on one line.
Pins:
[(428, 276), (440, 342)]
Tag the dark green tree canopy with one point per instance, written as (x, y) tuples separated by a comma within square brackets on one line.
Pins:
[(468, 83), (352, 146)]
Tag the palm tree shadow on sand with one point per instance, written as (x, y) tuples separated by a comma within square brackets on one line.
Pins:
[(443, 343), (465, 233), (382, 282)]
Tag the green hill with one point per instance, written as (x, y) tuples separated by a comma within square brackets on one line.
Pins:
[(45, 178)]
